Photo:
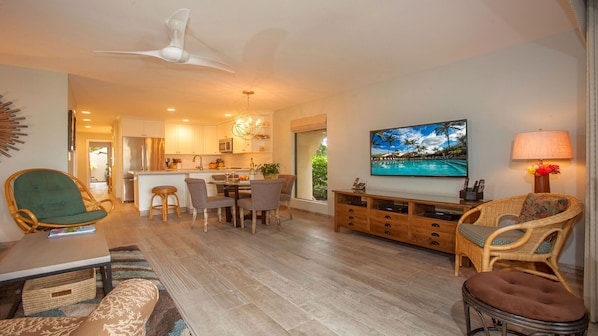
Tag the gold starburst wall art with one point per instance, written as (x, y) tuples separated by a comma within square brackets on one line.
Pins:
[(11, 128)]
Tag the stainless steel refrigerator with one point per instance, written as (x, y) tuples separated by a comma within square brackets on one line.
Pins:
[(140, 154)]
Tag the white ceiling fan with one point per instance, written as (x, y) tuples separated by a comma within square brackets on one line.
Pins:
[(174, 51)]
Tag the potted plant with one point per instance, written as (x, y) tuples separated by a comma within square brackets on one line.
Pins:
[(269, 170)]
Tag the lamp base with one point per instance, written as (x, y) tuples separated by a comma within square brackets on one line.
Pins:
[(542, 184)]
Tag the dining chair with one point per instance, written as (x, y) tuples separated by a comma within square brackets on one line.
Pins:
[(201, 200), (265, 196), (287, 190), (219, 187)]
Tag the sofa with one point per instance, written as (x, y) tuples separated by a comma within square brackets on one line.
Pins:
[(124, 311)]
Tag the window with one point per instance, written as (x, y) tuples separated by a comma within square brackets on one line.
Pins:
[(311, 159)]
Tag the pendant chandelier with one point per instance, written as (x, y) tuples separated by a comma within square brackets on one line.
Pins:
[(247, 124)]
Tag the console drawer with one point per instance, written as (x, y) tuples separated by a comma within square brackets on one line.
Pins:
[(440, 241), (389, 229), (431, 224)]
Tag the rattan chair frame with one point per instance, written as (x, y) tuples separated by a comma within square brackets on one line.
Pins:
[(521, 254), (29, 223)]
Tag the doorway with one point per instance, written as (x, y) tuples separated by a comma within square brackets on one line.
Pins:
[(99, 163)]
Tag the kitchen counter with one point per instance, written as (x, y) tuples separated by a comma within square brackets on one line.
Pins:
[(187, 171), (144, 181)]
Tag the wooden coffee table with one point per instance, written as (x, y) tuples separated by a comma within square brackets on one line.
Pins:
[(37, 256)]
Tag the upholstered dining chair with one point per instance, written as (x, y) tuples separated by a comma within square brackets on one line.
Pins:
[(265, 196), (219, 187), (41, 199), (201, 200), (542, 223), (287, 190)]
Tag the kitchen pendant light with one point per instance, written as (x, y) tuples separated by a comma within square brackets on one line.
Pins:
[(247, 124)]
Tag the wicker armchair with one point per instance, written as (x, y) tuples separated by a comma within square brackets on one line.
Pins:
[(41, 199), (522, 244)]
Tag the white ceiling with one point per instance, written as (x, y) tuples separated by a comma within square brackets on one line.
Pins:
[(287, 51)]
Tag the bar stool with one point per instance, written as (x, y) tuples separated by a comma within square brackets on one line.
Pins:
[(164, 192), (525, 301)]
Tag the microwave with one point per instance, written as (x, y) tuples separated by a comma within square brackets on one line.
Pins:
[(225, 145)]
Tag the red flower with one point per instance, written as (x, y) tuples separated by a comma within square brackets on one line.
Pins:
[(544, 169)]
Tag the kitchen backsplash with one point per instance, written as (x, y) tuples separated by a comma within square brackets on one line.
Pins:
[(230, 160)]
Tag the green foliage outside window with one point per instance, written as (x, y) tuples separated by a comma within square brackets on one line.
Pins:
[(319, 165)]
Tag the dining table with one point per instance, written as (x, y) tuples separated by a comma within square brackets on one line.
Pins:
[(234, 186)]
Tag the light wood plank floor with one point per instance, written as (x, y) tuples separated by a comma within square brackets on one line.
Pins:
[(303, 280)]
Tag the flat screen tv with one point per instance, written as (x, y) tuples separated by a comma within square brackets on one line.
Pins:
[(431, 150)]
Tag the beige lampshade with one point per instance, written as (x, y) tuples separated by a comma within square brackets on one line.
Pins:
[(542, 145)]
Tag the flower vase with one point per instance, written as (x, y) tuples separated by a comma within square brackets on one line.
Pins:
[(542, 184)]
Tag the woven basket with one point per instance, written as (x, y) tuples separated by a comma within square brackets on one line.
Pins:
[(58, 290)]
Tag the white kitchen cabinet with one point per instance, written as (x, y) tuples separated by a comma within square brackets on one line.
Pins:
[(210, 140), (241, 145), (142, 128), (184, 139), (178, 139), (197, 140), (225, 130)]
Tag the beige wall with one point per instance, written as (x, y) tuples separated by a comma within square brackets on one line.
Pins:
[(43, 99), (533, 86)]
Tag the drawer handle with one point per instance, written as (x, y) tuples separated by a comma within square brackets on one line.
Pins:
[(387, 217), (434, 234), (387, 225), (351, 224), (433, 242), (351, 210), (388, 232), (436, 225), (350, 217)]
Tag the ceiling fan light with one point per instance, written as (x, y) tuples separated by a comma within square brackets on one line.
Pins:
[(172, 54)]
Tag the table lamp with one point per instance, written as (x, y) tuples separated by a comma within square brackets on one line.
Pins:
[(542, 145)]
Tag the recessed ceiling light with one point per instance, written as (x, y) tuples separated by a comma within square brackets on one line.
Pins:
[(171, 109), (87, 126), (86, 119), (227, 114), (185, 120), (85, 112)]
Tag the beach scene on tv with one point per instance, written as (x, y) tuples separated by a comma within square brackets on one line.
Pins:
[(437, 149)]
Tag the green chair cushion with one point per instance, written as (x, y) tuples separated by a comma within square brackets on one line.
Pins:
[(478, 234), (92, 215), (48, 194)]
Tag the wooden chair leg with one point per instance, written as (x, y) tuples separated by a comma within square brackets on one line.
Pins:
[(205, 220), (194, 216), (178, 206), (164, 207), (234, 216), (253, 221), (290, 209), (151, 209), (277, 214), (242, 216), (219, 215)]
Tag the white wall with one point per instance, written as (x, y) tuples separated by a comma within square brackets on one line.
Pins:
[(533, 86), (43, 98)]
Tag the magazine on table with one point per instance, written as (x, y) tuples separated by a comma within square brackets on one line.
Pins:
[(72, 231)]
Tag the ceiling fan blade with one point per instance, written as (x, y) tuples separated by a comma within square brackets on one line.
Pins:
[(153, 53), (177, 24), (207, 63)]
